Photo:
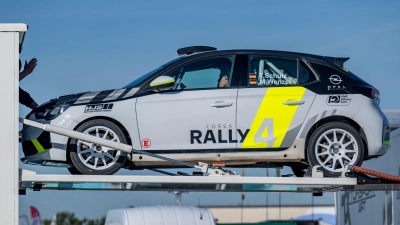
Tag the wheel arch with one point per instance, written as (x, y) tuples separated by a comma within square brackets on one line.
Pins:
[(336, 118), (116, 122)]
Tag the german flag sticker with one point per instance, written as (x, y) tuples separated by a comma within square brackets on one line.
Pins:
[(252, 76), (253, 81)]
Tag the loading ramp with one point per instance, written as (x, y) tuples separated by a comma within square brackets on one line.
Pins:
[(208, 179)]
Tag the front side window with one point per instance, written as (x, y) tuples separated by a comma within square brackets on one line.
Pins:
[(272, 71), (142, 78), (212, 72)]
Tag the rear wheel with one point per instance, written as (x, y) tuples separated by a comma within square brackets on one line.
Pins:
[(334, 146), (90, 158)]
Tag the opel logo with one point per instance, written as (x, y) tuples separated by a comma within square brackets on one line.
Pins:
[(335, 79)]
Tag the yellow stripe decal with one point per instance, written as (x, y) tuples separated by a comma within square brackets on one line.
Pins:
[(38, 146), (280, 114)]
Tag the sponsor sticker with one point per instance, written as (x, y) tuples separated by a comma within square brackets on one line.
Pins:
[(336, 88), (98, 108), (338, 100), (218, 134), (146, 143)]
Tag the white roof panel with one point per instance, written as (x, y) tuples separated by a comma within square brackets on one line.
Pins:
[(13, 27)]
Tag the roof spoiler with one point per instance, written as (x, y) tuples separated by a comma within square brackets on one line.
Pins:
[(339, 61), (193, 49)]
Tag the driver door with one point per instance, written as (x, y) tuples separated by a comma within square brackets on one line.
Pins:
[(197, 114)]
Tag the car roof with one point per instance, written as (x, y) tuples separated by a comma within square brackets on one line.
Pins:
[(258, 51), (207, 51)]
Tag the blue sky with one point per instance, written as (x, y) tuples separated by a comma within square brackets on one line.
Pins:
[(97, 45)]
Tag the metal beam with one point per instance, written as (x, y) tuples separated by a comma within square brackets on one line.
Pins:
[(9, 55), (31, 180), (187, 179)]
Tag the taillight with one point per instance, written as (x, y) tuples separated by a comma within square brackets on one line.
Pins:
[(368, 91)]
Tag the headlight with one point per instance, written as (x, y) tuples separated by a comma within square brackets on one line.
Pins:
[(50, 113)]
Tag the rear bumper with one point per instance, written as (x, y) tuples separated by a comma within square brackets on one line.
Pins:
[(375, 126)]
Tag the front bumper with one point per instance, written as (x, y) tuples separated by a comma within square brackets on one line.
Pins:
[(42, 145), (39, 143)]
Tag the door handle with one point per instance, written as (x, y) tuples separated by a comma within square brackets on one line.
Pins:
[(221, 104), (291, 102)]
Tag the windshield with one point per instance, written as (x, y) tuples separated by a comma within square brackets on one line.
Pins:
[(140, 79)]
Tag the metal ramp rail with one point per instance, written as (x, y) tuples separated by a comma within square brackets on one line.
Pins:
[(31, 180)]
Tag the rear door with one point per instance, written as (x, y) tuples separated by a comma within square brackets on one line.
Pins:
[(198, 114), (273, 101)]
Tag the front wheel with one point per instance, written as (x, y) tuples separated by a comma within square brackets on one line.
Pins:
[(334, 146), (90, 158)]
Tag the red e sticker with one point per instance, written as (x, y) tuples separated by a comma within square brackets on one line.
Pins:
[(146, 143)]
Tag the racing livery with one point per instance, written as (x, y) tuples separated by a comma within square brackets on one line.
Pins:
[(243, 107)]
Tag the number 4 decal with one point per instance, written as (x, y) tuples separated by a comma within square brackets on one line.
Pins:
[(260, 137), (261, 134)]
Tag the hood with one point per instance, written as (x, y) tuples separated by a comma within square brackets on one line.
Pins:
[(96, 97)]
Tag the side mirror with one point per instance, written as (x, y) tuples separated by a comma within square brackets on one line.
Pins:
[(162, 83)]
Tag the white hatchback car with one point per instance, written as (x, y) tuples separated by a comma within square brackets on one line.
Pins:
[(243, 107)]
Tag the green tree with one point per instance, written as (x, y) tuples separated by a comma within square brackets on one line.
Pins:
[(67, 218)]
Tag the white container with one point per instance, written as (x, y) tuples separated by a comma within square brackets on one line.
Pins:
[(160, 215)]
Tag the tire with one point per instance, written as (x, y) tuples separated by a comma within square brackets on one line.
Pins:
[(92, 159), (333, 155)]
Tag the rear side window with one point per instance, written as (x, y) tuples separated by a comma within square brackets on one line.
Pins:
[(327, 72), (335, 76), (272, 71), (305, 74)]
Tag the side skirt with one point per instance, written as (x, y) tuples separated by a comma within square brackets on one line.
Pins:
[(294, 153)]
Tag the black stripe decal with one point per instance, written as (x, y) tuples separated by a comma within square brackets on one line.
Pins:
[(100, 96), (69, 98), (124, 93)]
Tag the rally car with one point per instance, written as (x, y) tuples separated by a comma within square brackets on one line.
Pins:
[(246, 108)]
